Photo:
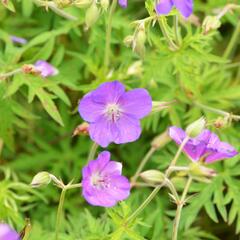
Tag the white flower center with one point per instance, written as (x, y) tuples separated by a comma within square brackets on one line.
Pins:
[(99, 181), (113, 112)]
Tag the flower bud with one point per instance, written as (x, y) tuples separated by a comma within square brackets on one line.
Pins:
[(152, 176), (62, 3), (135, 68), (210, 23), (220, 122), (158, 106), (92, 15), (197, 170), (139, 41), (41, 179), (195, 128), (128, 40), (82, 3), (161, 140), (104, 4), (81, 129)]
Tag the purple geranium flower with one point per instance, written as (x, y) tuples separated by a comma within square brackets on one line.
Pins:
[(7, 233), (184, 6), (123, 3), (45, 68), (19, 40), (114, 114), (103, 185), (206, 146)]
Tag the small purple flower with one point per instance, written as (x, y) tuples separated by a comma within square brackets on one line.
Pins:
[(45, 68), (19, 40), (114, 114), (103, 185), (7, 233), (123, 3), (184, 6), (206, 146)]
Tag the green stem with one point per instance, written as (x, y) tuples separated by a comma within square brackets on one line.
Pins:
[(162, 25), (156, 189), (233, 42), (9, 74), (176, 30), (142, 164), (108, 35), (59, 212), (179, 209), (92, 152)]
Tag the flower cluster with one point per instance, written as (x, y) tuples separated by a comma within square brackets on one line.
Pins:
[(7, 233), (206, 147)]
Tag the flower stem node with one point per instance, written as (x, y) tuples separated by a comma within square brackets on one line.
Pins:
[(152, 176), (92, 15), (41, 179), (195, 128)]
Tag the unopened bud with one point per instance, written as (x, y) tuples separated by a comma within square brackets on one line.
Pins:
[(135, 68), (82, 3), (128, 40), (211, 23), (92, 15), (104, 4), (198, 170), (139, 41), (220, 122), (161, 140), (41, 179), (28, 68), (152, 176), (195, 128), (81, 129)]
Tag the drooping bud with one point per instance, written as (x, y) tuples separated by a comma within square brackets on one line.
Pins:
[(198, 170), (81, 129), (152, 176), (104, 4), (82, 3), (211, 23), (41, 179), (135, 69), (128, 40), (161, 140), (195, 128), (139, 41), (92, 15)]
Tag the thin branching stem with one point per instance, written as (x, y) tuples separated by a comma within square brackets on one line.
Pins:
[(92, 152), (176, 30), (108, 35), (179, 209)]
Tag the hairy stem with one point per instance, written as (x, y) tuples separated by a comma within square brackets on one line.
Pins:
[(179, 209), (108, 35), (156, 189), (59, 213), (9, 74), (176, 30), (92, 152), (142, 164), (233, 42)]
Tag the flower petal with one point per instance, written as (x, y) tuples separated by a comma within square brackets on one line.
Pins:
[(113, 168), (103, 132), (177, 134), (184, 6), (123, 3), (45, 68), (90, 110), (7, 233), (137, 103), (129, 129), (108, 92), (164, 7)]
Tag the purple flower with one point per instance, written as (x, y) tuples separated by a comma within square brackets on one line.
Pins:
[(206, 146), (19, 40), (7, 233), (123, 3), (114, 114), (45, 68), (184, 6), (103, 185)]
